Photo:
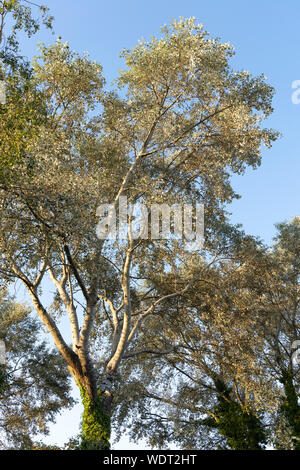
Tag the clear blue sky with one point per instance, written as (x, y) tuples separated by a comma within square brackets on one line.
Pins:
[(266, 35)]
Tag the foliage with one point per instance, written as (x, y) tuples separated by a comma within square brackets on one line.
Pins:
[(36, 385), (21, 118), (290, 408), (241, 428), (20, 18), (237, 328), (24, 111)]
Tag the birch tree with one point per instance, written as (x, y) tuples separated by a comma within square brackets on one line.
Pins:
[(182, 123)]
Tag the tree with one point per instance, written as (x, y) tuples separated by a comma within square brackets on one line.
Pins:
[(21, 118), (19, 13), (281, 302), (223, 353), (186, 122), (23, 111), (35, 384), (205, 347)]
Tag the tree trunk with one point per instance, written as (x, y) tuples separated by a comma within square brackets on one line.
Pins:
[(290, 406), (241, 429), (96, 419), (96, 422)]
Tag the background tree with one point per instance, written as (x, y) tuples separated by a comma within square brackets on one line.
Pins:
[(20, 17), (187, 122), (204, 347), (35, 384), (223, 353), (23, 111), (281, 305)]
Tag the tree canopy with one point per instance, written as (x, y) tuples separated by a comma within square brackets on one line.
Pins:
[(216, 321)]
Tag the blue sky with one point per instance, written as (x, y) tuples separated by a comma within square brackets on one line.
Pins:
[(266, 36)]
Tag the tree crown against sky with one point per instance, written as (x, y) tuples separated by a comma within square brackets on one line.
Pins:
[(182, 125), (23, 110), (17, 16)]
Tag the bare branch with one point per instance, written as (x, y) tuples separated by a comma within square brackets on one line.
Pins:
[(75, 272), (147, 351)]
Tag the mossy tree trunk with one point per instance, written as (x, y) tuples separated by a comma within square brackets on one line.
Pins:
[(241, 428), (96, 423), (96, 396), (290, 406)]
